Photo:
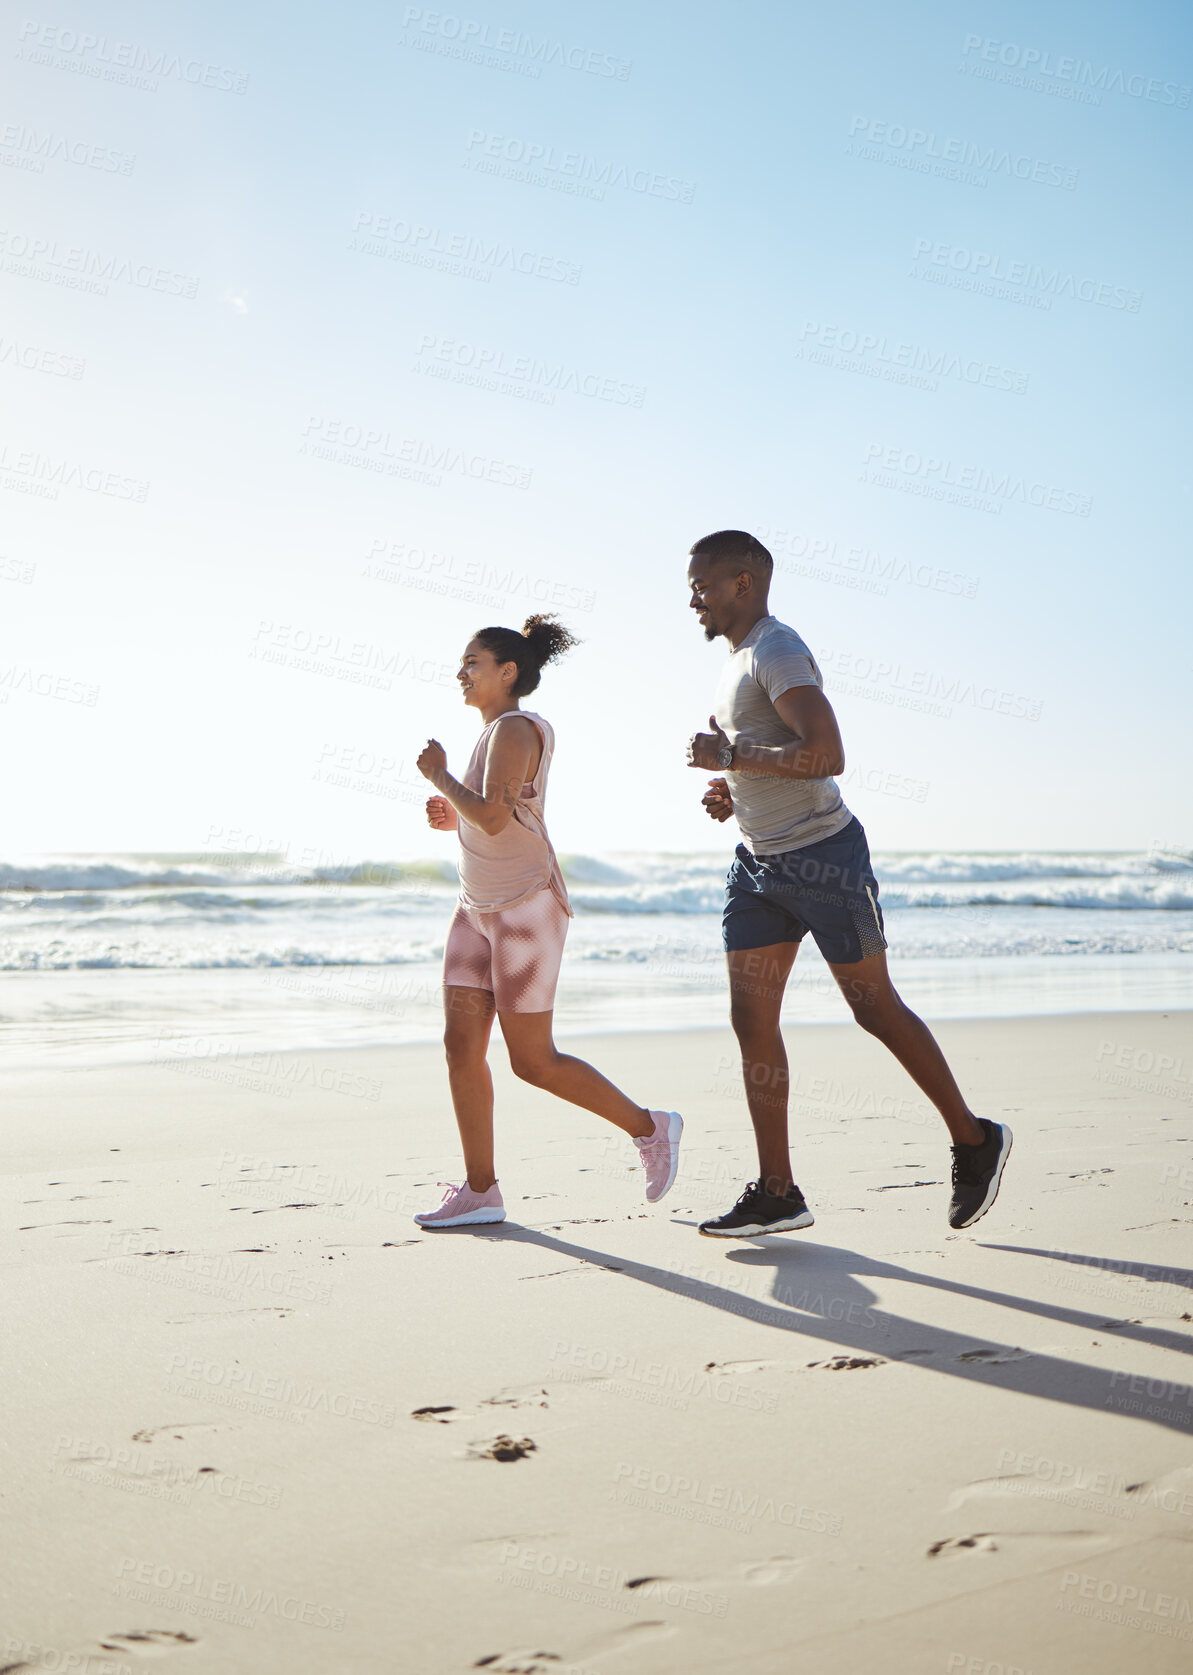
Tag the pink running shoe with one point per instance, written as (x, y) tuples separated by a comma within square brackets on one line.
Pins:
[(660, 1153), (462, 1207)]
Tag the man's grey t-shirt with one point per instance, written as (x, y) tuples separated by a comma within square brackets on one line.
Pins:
[(774, 814)]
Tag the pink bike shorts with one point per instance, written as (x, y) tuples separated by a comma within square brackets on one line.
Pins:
[(515, 953)]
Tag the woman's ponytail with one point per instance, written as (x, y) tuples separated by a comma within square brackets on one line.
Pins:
[(543, 639)]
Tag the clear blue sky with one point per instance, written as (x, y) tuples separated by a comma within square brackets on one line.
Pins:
[(763, 207)]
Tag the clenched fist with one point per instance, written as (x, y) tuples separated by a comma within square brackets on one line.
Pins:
[(432, 760), (441, 816), (703, 747), (717, 800)]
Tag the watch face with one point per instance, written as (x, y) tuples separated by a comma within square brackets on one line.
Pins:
[(725, 756)]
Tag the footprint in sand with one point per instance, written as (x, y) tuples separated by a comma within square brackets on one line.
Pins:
[(138, 1643), (957, 1543), (1169, 1493), (761, 1573), (178, 1433), (994, 1357), (740, 1366), (37, 1226), (272, 1209), (994, 1541), (502, 1448), (848, 1363), (226, 1314), (577, 1268), (547, 1663), (150, 1643), (448, 1415)]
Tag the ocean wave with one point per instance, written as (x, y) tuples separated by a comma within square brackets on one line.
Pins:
[(992, 868), (180, 959), (66, 874), (633, 883)]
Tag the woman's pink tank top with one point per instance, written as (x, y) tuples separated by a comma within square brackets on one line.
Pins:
[(503, 869)]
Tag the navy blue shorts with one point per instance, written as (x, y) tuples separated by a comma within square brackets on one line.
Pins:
[(828, 888)]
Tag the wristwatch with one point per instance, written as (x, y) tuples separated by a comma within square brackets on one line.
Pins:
[(725, 755)]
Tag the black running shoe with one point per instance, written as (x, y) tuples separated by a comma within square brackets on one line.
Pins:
[(977, 1171), (757, 1211)]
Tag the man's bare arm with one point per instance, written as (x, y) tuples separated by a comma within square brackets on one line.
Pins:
[(815, 751)]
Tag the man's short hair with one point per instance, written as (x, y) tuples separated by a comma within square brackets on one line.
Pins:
[(734, 546)]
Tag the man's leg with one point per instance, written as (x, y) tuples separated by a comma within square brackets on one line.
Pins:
[(875, 1003), (757, 980)]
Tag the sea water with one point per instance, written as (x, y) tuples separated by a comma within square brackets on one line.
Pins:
[(140, 956)]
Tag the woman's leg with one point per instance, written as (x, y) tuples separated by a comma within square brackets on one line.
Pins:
[(527, 950), (468, 1022), (536, 1059)]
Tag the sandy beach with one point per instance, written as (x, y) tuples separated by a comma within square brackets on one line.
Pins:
[(260, 1421)]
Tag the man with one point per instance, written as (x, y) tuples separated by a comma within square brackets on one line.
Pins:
[(804, 866)]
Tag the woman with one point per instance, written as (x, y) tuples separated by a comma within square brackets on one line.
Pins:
[(506, 940)]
